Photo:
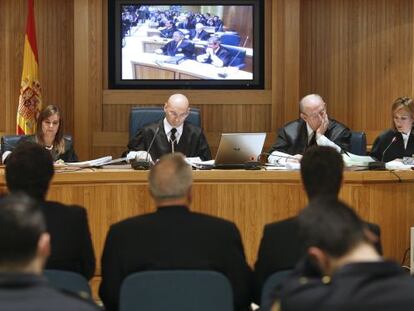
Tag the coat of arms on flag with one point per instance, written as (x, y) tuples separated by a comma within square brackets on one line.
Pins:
[(30, 100)]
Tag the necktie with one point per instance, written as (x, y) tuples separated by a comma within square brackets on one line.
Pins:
[(173, 139), (312, 140)]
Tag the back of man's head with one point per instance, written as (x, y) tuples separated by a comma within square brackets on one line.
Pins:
[(321, 169), (29, 169), (331, 226), (21, 225), (170, 178)]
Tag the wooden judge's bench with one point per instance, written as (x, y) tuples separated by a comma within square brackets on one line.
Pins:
[(249, 198)]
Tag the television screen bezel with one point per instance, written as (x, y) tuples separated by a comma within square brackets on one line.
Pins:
[(115, 80)]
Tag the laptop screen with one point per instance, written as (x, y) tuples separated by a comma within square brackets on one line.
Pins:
[(238, 148)]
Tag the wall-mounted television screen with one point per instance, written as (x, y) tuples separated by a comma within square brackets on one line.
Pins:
[(186, 44)]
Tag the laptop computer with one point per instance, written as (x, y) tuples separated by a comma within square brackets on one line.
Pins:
[(235, 149)]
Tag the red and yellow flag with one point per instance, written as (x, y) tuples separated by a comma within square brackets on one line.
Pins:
[(30, 100)]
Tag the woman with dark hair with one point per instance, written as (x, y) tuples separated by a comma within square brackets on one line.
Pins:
[(397, 142), (49, 134)]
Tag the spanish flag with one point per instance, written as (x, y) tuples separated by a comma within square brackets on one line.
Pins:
[(30, 100)]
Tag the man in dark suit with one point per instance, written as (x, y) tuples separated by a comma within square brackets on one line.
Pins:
[(355, 276), (169, 29), (179, 46), (29, 170), (281, 247), (173, 237), (215, 54), (24, 248), (173, 132), (199, 34), (313, 127)]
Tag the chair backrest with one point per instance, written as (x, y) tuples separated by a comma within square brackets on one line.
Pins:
[(141, 116), (230, 39), (184, 290), (9, 142), (269, 286), (68, 281), (358, 143), (237, 56)]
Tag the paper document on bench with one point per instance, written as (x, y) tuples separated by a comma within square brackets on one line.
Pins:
[(397, 165), (351, 159), (197, 162), (95, 162)]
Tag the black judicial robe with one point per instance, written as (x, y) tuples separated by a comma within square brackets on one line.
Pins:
[(186, 47), (293, 137), (192, 142), (395, 150)]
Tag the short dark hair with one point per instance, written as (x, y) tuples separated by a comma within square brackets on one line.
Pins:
[(321, 169), (29, 169), (330, 225), (21, 224)]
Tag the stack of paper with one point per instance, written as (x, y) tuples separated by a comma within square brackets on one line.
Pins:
[(95, 162), (351, 159), (397, 165)]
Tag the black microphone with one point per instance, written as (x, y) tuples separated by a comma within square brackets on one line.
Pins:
[(145, 164), (380, 165), (386, 149), (238, 53), (223, 74)]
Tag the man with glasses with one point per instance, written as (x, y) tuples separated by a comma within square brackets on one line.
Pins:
[(312, 128), (171, 134)]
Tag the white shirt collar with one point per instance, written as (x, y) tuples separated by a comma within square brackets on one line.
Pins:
[(168, 127), (405, 138), (309, 131)]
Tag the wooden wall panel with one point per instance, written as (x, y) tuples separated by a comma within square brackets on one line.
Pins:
[(88, 73), (358, 55), (238, 19), (54, 28), (222, 111)]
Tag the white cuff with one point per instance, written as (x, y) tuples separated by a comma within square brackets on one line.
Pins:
[(4, 156)]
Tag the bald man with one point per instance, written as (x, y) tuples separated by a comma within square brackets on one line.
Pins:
[(312, 128), (173, 237), (174, 132)]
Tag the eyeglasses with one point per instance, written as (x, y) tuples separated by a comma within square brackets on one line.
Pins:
[(316, 114)]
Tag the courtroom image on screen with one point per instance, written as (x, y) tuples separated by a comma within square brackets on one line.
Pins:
[(187, 42)]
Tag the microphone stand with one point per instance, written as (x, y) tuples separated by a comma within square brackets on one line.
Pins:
[(386, 149), (145, 164)]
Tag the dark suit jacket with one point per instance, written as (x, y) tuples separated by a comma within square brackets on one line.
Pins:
[(168, 32), (203, 35), (174, 238), (70, 238), (23, 291), (186, 47), (192, 142), (68, 155), (293, 137), (395, 150), (281, 248), (365, 286), (223, 54)]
